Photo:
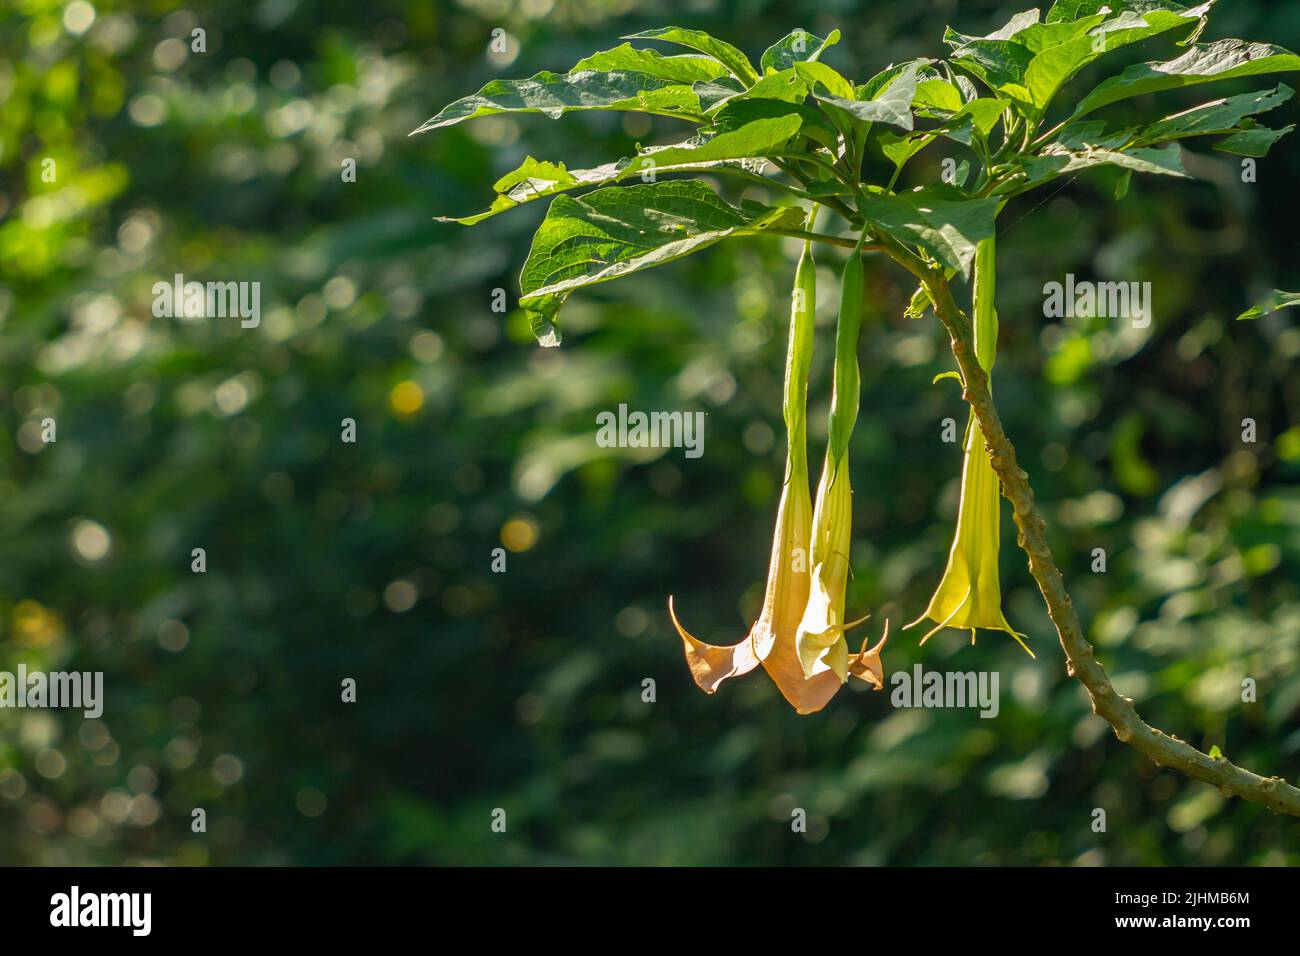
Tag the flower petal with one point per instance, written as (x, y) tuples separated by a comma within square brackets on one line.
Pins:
[(805, 695), (710, 665), (866, 664)]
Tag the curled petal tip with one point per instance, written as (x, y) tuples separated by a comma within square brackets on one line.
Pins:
[(1020, 639), (866, 664), (711, 665), (884, 637)]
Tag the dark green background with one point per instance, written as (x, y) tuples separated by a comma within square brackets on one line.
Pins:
[(522, 690)]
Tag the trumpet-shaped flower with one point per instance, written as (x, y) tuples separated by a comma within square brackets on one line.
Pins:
[(819, 639), (820, 636), (970, 594), (771, 641)]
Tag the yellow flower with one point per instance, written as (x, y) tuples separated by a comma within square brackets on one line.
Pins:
[(819, 639), (771, 641), (969, 594)]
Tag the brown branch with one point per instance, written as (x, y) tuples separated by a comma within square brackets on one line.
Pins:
[(1081, 662)]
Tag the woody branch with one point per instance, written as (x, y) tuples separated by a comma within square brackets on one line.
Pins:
[(1081, 661)]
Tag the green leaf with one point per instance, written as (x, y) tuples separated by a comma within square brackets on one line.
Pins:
[(744, 131), (937, 95), (533, 179), (1255, 141), (1219, 116), (796, 47), (1028, 61), (785, 86), (1088, 134), (746, 110), (554, 94), (815, 73), (1202, 63), (720, 50), (892, 105), (984, 113), (1165, 161), (999, 63), (713, 94), (1018, 23), (686, 68), (873, 88), (1276, 300), (1054, 65), (899, 148), (1067, 10), (938, 220), (616, 231), (1045, 36), (1123, 183)]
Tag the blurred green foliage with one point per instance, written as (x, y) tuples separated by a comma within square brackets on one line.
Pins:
[(523, 690)]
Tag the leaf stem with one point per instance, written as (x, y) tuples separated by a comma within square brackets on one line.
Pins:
[(845, 242)]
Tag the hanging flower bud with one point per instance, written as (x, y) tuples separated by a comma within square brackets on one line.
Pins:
[(771, 640), (970, 594), (820, 641)]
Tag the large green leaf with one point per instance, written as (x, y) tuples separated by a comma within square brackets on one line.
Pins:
[(1028, 61), (720, 50), (798, 46), (1039, 37), (1277, 299), (1069, 10), (938, 220), (554, 94), (616, 231), (741, 132), (1203, 63), (1054, 65), (1219, 116), (684, 68)]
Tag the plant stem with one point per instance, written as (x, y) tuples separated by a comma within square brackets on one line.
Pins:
[(847, 242), (1081, 661)]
